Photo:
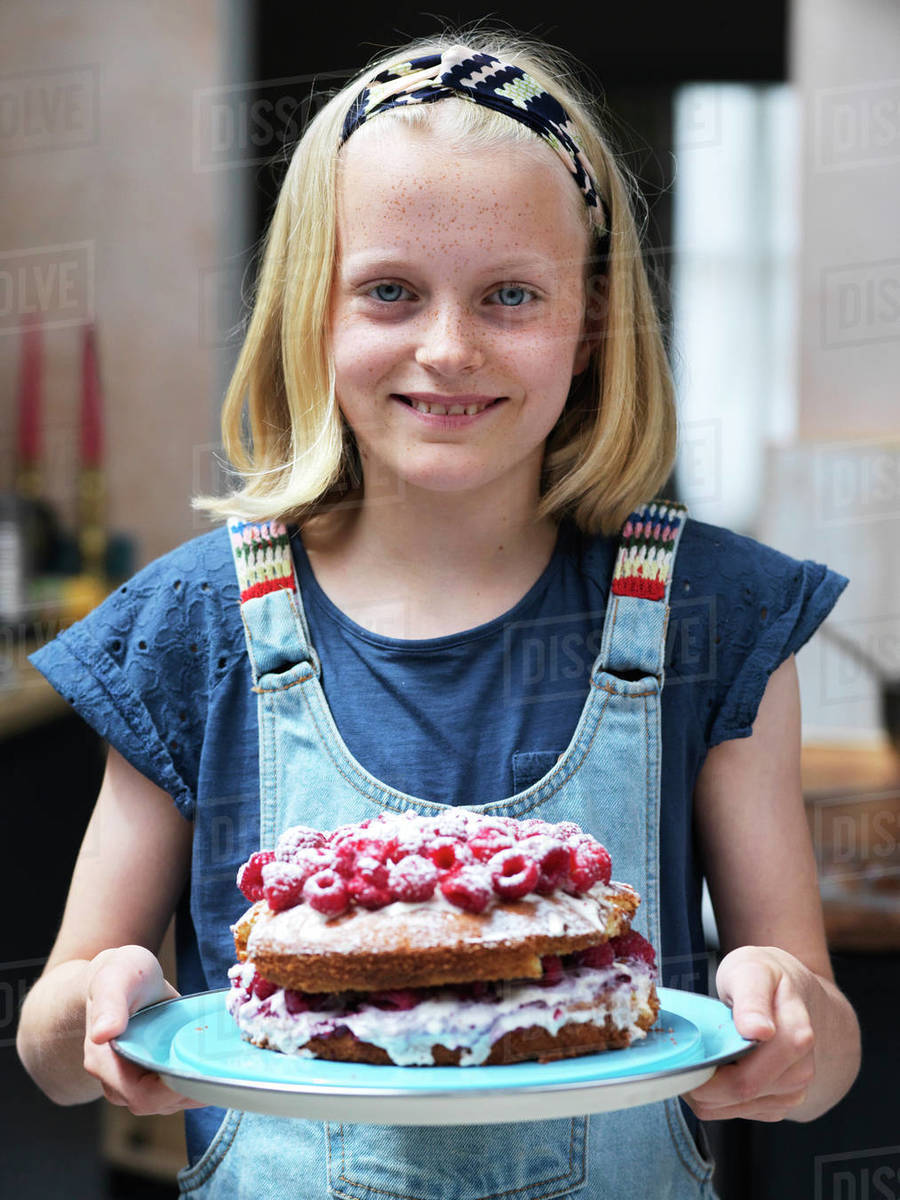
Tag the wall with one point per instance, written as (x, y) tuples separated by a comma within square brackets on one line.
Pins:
[(108, 212), (833, 495), (844, 62)]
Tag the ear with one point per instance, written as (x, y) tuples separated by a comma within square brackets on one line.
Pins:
[(594, 324)]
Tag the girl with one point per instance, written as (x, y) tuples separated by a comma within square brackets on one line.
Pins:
[(454, 394)]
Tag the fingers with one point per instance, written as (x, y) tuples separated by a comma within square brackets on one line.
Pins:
[(123, 981), (773, 1080), (130, 1086), (749, 987), (764, 1108)]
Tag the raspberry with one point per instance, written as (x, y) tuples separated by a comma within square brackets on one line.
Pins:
[(533, 827), (368, 885), (298, 837), (485, 845), (262, 988), (552, 858), (408, 841), (453, 824), (513, 874), (468, 887), (295, 1002), (596, 956), (399, 999), (380, 848), (249, 877), (565, 830), (589, 864), (327, 893), (552, 968), (478, 989), (343, 858), (632, 945), (447, 854), (368, 895), (283, 884), (346, 853), (413, 878)]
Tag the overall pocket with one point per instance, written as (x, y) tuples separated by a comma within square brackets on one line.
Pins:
[(529, 1160), (193, 1180)]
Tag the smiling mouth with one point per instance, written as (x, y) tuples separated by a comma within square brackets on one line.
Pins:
[(448, 409)]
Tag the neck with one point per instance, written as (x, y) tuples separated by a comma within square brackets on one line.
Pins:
[(456, 560)]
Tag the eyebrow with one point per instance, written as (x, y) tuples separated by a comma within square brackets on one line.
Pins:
[(386, 261)]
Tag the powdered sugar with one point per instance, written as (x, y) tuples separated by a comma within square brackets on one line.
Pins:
[(404, 925)]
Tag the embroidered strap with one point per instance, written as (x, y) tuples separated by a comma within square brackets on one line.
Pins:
[(262, 555), (646, 550)]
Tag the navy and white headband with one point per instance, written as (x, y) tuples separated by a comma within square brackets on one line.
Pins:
[(484, 80)]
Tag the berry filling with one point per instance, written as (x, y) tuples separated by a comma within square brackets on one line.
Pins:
[(593, 984)]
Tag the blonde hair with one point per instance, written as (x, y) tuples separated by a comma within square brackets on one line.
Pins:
[(614, 445)]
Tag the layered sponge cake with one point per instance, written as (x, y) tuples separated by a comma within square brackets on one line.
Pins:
[(460, 939)]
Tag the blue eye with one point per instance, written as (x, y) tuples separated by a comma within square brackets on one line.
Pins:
[(512, 296), (389, 292)]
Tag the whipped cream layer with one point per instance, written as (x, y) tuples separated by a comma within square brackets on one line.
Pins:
[(620, 992)]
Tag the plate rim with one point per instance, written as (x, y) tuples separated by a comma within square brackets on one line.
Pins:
[(375, 1092)]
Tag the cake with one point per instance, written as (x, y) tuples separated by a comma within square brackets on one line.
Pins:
[(460, 939)]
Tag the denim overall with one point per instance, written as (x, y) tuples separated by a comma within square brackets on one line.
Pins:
[(607, 780)]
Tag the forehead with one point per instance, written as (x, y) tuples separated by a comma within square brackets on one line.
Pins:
[(411, 188)]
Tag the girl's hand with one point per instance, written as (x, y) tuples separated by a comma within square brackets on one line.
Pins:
[(772, 996), (119, 983)]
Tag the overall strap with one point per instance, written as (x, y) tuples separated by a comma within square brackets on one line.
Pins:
[(271, 608), (637, 612)]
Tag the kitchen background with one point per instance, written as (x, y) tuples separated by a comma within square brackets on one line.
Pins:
[(142, 143)]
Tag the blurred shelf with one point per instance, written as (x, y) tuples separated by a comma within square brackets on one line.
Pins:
[(26, 700)]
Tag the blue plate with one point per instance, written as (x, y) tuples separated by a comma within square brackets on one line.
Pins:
[(194, 1045)]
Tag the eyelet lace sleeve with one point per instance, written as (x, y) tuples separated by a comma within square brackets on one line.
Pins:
[(141, 667), (758, 606)]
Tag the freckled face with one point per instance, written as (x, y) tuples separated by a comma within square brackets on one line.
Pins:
[(459, 285)]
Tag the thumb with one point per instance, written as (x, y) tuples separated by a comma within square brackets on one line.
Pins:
[(749, 988), (123, 983)]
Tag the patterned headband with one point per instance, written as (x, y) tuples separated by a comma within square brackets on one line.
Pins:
[(485, 80)]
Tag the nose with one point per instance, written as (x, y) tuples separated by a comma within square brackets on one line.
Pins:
[(449, 343)]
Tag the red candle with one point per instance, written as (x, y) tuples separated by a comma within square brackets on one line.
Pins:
[(91, 403), (29, 447)]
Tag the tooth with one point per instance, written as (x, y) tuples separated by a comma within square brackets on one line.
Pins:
[(422, 407), (473, 408), (456, 410), (438, 409)]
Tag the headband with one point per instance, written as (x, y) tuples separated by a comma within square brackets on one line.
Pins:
[(484, 80)]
